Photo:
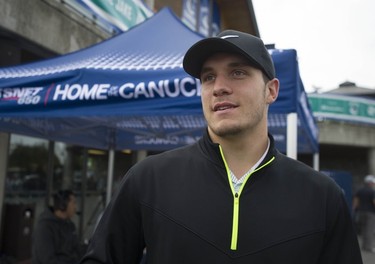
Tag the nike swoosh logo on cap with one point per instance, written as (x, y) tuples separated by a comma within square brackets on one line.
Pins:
[(230, 36)]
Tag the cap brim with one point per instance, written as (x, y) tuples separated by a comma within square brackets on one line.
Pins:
[(202, 50)]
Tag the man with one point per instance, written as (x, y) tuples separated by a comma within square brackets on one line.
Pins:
[(231, 197), (364, 205), (55, 240)]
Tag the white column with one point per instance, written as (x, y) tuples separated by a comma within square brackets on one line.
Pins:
[(291, 135), (316, 164)]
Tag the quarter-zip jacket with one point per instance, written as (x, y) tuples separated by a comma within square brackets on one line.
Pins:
[(181, 206)]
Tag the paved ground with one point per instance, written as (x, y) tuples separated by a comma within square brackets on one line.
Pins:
[(367, 257)]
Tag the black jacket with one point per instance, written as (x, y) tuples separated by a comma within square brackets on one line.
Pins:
[(179, 204), (55, 241)]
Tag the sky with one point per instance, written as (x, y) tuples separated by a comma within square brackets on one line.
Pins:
[(334, 39)]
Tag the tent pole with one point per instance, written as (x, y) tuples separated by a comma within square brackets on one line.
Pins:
[(50, 165), (291, 135), (4, 156), (111, 159), (83, 193)]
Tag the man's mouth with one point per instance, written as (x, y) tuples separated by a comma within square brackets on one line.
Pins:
[(223, 106)]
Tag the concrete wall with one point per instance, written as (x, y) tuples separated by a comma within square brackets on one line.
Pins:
[(345, 134), (347, 147), (50, 24)]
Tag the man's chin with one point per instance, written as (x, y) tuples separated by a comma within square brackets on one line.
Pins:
[(225, 131)]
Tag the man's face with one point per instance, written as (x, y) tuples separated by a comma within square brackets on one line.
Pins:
[(72, 206), (235, 97)]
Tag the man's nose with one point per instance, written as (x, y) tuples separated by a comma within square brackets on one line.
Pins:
[(221, 86)]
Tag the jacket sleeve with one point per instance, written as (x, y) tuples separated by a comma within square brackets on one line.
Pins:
[(341, 243), (119, 235)]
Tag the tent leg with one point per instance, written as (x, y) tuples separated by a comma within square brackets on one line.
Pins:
[(111, 159), (51, 160), (4, 154), (291, 135), (83, 192)]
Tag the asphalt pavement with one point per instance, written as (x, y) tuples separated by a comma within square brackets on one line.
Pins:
[(367, 257)]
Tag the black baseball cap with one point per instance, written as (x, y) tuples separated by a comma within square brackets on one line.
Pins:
[(230, 41)]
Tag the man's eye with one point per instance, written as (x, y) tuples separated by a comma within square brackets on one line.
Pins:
[(238, 73), (207, 78)]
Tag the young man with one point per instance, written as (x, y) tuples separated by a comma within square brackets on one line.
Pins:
[(55, 240), (231, 197)]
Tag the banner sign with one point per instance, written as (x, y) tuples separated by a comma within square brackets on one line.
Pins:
[(124, 14), (343, 107), (215, 20), (202, 16), (189, 13), (59, 94)]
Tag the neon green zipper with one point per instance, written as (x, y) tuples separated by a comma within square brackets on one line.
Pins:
[(236, 198)]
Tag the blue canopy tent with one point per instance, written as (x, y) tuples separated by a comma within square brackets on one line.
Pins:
[(128, 92), (131, 92), (292, 107)]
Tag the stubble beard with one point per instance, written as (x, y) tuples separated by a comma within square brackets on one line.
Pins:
[(235, 129), (226, 130), (244, 126), (231, 129)]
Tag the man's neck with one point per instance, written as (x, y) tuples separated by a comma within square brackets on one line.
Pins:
[(61, 214), (242, 153)]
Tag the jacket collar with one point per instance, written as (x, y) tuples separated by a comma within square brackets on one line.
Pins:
[(212, 151)]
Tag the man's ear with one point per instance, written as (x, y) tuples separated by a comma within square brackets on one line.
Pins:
[(272, 87)]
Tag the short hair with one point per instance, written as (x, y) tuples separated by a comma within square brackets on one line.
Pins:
[(61, 199)]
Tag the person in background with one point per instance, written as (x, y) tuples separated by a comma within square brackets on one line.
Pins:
[(55, 240), (364, 206), (231, 197)]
